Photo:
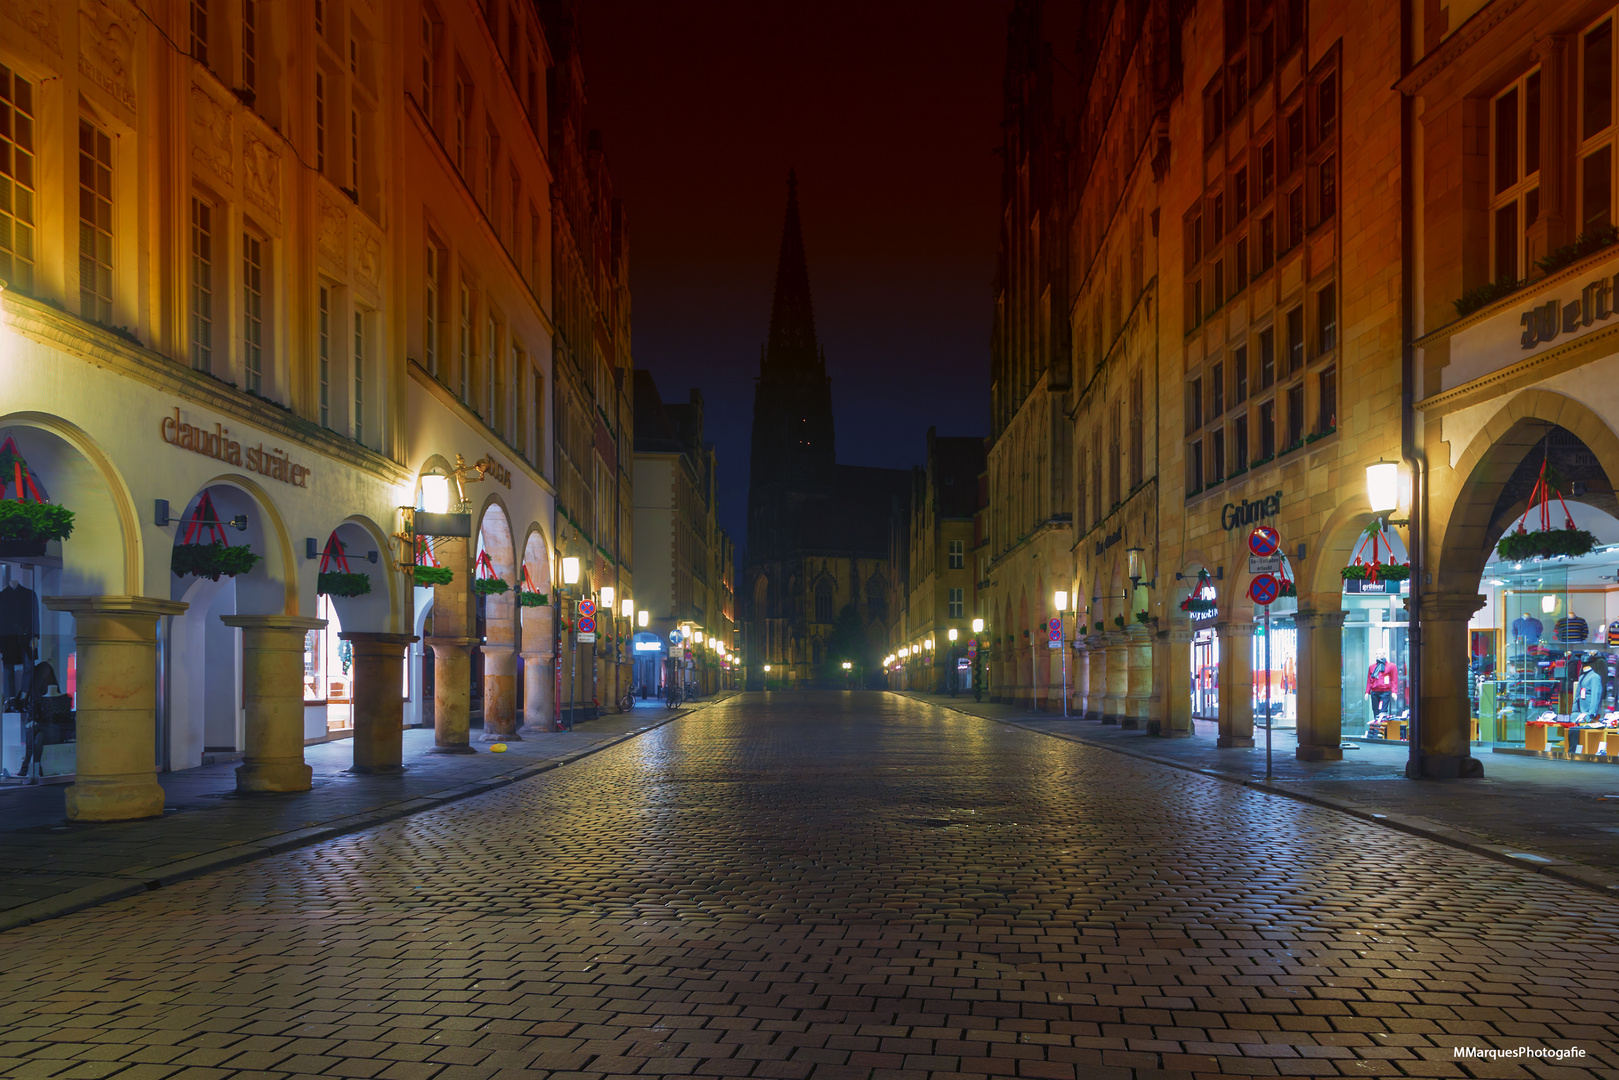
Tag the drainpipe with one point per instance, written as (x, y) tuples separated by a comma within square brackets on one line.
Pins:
[(1410, 453)]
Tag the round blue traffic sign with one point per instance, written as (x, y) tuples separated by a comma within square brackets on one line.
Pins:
[(1264, 589), (1264, 541), (587, 625)]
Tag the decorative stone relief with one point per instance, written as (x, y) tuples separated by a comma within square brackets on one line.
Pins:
[(210, 133), (330, 233), (367, 257), (261, 174), (107, 47), (38, 17)]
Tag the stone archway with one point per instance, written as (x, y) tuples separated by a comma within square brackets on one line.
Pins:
[(537, 635), (499, 645)]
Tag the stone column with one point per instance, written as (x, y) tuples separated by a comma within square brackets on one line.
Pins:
[(1446, 714), (1096, 678), (116, 705), (539, 675), (273, 699), (1175, 672), (379, 704), (1079, 677), (452, 642), (1236, 683), (1321, 652), (500, 694), (1114, 704), (1138, 676)]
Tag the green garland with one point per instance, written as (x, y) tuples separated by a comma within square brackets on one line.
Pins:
[(341, 583), (492, 586), (1118, 620), (1389, 572), (34, 521), (1143, 618), (532, 599), (1545, 544), (433, 575), (212, 561)]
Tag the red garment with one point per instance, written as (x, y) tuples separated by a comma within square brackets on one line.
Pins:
[(1388, 679)]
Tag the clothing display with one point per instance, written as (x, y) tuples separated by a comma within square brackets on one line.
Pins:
[(1382, 676), (1588, 691), (1571, 628), (1527, 627), (19, 611)]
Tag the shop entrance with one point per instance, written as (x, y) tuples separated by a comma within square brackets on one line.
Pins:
[(1205, 675)]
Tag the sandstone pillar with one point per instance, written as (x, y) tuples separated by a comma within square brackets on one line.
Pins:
[(539, 679), (452, 642), (1175, 673), (273, 699), (1446, 717), (500, 694), (1236, 683), (1138, 676), (1321, 651), (1118, 676), (1079, 678), (1096, 678), (116, 705), (379, 704)]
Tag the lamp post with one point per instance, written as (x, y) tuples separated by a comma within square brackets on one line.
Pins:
[(570, 577), (1062, 610), (978, 646)]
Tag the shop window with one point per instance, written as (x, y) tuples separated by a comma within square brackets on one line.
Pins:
[(1217, 455), (1326, 320), (1194, 405), (17, 165), (95, 223), (958, 603), (1266, 253), (1216, 390), (1596, 126), (1239, 375), (1267, 429), (324, 350), (1295, 340), (1267, 168), (1515, 175), (958, 554), (1326, 418), (253, 313), (1295, 414), (1267, 358), (202, 285), (1239, 444), (1194, 468)]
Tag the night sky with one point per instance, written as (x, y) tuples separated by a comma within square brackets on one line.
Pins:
[(890, 112)]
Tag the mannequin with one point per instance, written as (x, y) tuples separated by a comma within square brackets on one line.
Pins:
[(1588, 692), (19, 629), (1382, 683)]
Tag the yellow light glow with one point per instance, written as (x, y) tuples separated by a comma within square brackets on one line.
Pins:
[(1062, 600), (436, 494), (1548, 604), (767, 669), (1383, 486), (608, 593), (847, 665), (952, 634), (570, 570), (978, 626), (627, 608), (697, 636), (642, 618)]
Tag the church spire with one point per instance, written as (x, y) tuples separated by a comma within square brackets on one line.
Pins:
[(792, 342)]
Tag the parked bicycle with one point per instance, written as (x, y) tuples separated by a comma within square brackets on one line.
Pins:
[(672, 697), (627, 702)]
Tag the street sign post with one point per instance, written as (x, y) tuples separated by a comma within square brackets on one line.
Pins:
[(1265, 544), (1264, 564)]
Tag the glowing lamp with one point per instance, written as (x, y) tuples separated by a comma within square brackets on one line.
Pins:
[(767, 669), (952, 634), (697, 636), (1062, 600), (642, 618), (436, 494), (978, 626), (607, 597), (627, 608), (847, 665), (1548, 604), (1383, 486)]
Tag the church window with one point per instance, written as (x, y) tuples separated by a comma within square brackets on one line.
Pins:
[(823, 602)]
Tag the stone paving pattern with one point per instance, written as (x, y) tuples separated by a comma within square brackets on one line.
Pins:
[(53, 866), (831, 886)]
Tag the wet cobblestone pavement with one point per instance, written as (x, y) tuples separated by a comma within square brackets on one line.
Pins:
[(832, 886)]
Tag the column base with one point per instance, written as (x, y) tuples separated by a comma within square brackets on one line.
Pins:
[(273, 776), (1319, 753), (489, 736), (533, 729), (376, 770), (1130, 723), (1235, 742), (462, 748), (1171, 733), (1445, 767), (114, 799), (1109, 718)]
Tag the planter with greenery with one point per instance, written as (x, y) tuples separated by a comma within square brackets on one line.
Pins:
[(25, 528), (343, 583), (1587, 243), (489, 586), (532, 599), (212, 561), (433, 575), (1545, 542), (1482, 296)]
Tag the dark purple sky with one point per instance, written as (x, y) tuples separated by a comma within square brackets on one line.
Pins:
[(890, 112)]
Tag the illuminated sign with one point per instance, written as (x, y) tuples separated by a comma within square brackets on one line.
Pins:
[(1236, 515), (648, 646), (218, 444)]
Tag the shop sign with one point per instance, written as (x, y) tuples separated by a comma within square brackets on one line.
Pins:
[(217, 444), (1109, 540), (648, 646), (1235, 515), (490, 467), (1572, 309)]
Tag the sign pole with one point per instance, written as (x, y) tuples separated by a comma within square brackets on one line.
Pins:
[(1269, 719), (1065, 675)]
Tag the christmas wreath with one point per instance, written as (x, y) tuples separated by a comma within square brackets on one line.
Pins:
[(527, 594), (1377, 536), (26, 527), (1197, 603), (1545, 542), (433, 575), (339, 582), (212, 560), (484, 580)]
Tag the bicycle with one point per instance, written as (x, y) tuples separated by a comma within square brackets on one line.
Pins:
[(672, 697), (627, 702)]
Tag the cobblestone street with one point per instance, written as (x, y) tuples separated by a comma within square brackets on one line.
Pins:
[(832, 886)]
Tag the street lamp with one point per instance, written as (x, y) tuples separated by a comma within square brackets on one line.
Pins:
[(436, 494), (1062, 606), (643, 617), (1383, 486), (1062, 600), (952, 634), (607, 593), (570, 570), (627, 608), (978, 626)]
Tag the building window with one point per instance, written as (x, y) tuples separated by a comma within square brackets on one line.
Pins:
[(1194, 468), (491, 159), (1213, 112), (823, 602), (1217, 291), (1295, 216), (253, 313), (320, 18), (1216, 390), (1239, 196), (429, 59), (430, 313), (538, 413), (202, 285), (1137, 409), (324, 347), (1267, 430), (95, 223), (1295, 340), (1327, 401), (958, 554), (1596, 126), (1295, 141), (1267, 168), (1267, 358), (491, 353), (359, 376), (320, 121), (1194, 405), (463, 374), (250, 44), (1217, 455), (1327, 188), (1239, 444), (1326, 107), (1326, 317), (958, 603), (463, 111), (1240, 277), (1267, 242), (1239, 375), (354, 151), (1515, 175), (199, 31), (1295, 414), (1217, 222), (17, 173)]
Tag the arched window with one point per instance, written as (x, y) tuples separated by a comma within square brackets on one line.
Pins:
[(877, 596), (823, 601)]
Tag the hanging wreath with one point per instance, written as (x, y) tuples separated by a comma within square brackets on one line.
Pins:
[(1197, 603), (430, 573), (212, 560), (484, 580), (528, 595), (26, 527), (339, 582), (1546, 542), (1375, 534)]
